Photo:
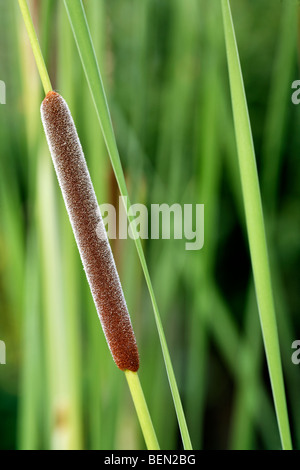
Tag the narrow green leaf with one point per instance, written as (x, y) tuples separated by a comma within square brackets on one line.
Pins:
[(255, 226)]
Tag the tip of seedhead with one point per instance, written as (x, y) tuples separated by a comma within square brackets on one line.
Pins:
[(51, 94), (51, 100)]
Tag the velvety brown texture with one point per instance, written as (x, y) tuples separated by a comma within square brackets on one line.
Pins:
[(88, 227)]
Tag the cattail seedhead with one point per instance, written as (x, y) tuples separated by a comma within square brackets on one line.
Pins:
[(86, 221)]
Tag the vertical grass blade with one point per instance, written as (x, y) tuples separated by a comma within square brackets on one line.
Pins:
[(83, 40), (255, 226)]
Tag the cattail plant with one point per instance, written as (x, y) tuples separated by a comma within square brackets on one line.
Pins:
[(89, 231), (82, 37)]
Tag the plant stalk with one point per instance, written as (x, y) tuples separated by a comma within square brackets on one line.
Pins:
[(35, 46), (142, 410)]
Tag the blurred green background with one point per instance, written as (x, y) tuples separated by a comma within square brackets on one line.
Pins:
[(164, 69)]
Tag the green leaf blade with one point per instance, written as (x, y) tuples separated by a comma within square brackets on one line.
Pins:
[(255, 226)]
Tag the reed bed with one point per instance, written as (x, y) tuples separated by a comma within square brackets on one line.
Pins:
[(160, 124)]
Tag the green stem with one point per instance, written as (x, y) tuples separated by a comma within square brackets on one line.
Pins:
[(35, 46), (142, 410), (255, 226)]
